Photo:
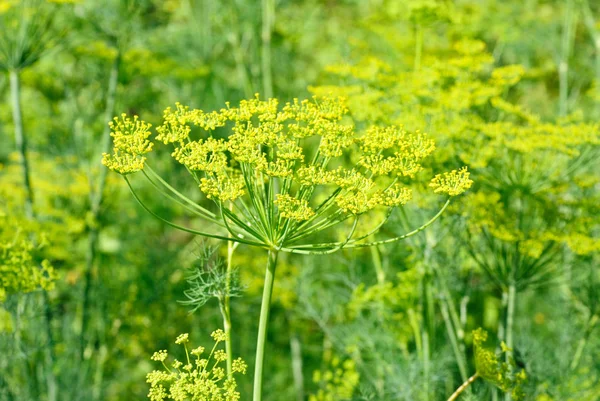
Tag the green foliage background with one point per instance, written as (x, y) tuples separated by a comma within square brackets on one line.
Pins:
[(510, 88)]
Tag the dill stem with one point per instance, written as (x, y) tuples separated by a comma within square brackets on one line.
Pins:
[(463, 387), (510, 315), (458, 354), (268, 18), (265, 310), (226, 311), (565, 53), (583, 341), (20, 141), (590, 23), (21, 144), (296, 352), (376, 258), (96, 196)]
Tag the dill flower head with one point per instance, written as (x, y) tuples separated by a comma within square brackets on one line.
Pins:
[(130, 139), (182, 339), (19, 270), (495, 372), (453, 183), (199, 377), (280, 173)]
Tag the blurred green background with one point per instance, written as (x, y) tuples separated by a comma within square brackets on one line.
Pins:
[(510, 88)]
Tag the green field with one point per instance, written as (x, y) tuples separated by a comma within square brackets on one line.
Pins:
[(315, 200)]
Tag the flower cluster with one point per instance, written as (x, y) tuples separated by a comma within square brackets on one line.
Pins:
[(198, 377), (453, 183), (130, 139), (19, 271), (275, 170), (495, 372)]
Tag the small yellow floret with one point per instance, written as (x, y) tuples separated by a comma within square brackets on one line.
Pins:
[(453, 183), (292, 208)]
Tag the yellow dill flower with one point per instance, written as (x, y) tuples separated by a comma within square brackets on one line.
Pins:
[(495, 372), (223, 186), (292, 208), (159, 356), (220, 355), (130, 139), (182, 339), (314, 175), (218, 335), (238, 365), (123, 163), (271, 163), (19, 272), (131, 136), (358, 202), (453, 183), (204, 155), (508, 75), (396, 195), (204, 379)]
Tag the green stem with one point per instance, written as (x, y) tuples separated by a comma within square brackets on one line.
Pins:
[(458, 355), (428, 329), (296, 352), (414, 325), (426, 362), (96, 196), (590, 23), (265, 310), (563, 65), (510, 315), (463, 387), (226, 311), (20, 141), (21, 144), (591, 324), (268, 19), (376, 257)]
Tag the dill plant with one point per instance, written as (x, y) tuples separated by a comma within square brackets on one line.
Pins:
[(283, 178), (530, 210)]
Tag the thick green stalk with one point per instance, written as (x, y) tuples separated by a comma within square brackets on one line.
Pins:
[(590, 23), (376, 257), (565, 53), (591, 324), (20, 141), (296, 351), (263, 323), (225, 309), (458, 354), (510, 315), (268, 19), (428, 329), (463, 387), (21, 144), (426, 363), (96, 196)]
